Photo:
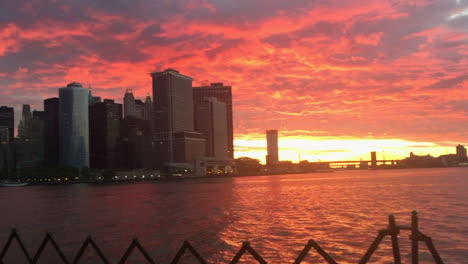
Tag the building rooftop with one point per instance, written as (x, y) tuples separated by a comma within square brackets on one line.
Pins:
[(75, 84), (171, 71)]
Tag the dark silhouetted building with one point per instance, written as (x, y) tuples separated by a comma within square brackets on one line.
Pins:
[(461, 153), (104, 132), (93, 99), (129, 104), (173, 113), (24, 127), (51, 132), (211, 121), (135, 144), (149, 113), (223, 94), (139, 109), (148, 108), (7, 123), (37, 136), (272, 147)]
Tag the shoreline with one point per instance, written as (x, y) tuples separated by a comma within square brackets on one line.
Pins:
[(168, 178)]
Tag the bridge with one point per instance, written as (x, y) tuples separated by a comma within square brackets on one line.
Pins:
[(369, 163)]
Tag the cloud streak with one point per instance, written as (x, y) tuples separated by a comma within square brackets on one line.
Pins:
[(393, 69)]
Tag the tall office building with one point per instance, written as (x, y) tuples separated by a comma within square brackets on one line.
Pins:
[(74, 125), (148, 108), (149, 111), (51, 131), (211, 121), (223, 94), (176, 141), (129, 104), (272, 147), (24, 127), (7, 124), (37, 135), (104, 132)]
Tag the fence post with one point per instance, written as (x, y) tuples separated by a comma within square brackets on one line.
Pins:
[(394, 231), (414, 238)]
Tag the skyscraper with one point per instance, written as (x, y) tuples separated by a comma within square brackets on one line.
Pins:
[(272, 147), (148, 108), (173, 116), (74, 125), (223, 94), (104, 131), (51, 131), (211, 121), (37, 135), (24, 127), (129, 104), (7, 123), (149, 111)]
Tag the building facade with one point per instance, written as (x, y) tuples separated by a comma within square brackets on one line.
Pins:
[(223, 94), (173, 113), (129, 104), (272, 157), (37, 135), (104, 132), (211, 121), (51, 132), (24, 127), (74, 125), (7, 124)]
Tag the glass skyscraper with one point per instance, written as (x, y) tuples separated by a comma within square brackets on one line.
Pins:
[(74, 125)]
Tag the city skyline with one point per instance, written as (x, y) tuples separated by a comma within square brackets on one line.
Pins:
[(336, 80)]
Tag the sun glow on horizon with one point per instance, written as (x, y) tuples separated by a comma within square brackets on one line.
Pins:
[(321, 148)]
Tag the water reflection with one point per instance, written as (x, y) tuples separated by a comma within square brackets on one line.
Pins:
[(342, 211)]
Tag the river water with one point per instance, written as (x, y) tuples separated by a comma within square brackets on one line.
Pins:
[(340, 210)]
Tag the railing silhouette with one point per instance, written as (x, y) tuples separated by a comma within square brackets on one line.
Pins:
[(393, 231)]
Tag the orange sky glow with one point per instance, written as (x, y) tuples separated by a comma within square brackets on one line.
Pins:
[(337, 78)]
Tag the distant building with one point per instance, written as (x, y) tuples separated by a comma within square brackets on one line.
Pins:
[(7, 124), (24, 127), (426, 161), (139, 109), (248, 166), (461, 153), (93, 99), (224, 94), (74, 125), (173, 117), (51, 132), (129, 104), (148, 114), (104, 132), (272, 147), (37, 135), (211, 121)]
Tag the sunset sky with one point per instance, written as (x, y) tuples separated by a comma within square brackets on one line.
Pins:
[(337, 78)]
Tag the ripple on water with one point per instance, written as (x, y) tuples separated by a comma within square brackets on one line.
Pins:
[(342, 211)]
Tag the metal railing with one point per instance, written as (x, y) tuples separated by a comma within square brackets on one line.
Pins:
[(393, 231)]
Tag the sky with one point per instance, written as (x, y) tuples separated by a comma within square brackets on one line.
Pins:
[(337, 78)]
